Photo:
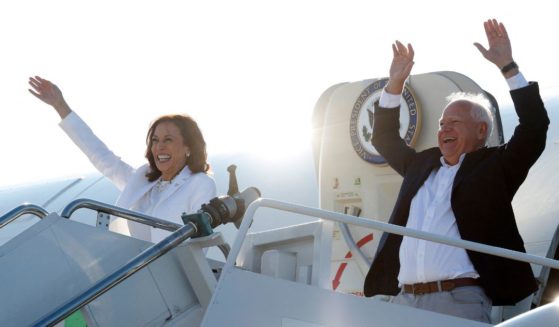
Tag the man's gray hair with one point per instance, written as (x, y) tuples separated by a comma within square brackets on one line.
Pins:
[(481, 108)]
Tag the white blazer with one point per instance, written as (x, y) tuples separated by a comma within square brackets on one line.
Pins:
[(187, 192)]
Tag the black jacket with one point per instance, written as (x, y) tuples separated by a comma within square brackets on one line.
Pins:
[(482, 192)]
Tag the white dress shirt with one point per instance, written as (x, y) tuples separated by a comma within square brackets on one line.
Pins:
[(423, 261)]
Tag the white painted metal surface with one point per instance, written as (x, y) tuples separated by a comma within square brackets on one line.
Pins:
[(545, 316), (244, 298), (56, 259), (305, 246)]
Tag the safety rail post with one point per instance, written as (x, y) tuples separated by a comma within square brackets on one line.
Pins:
[(21, 210)]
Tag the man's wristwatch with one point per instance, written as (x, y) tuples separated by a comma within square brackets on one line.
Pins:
[(508, 67)]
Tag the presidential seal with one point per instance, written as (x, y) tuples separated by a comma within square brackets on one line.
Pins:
[(361, 123)]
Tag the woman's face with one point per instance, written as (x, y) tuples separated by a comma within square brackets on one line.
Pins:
[(168, 149)]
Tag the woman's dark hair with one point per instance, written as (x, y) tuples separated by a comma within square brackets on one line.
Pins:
[(192, 138)]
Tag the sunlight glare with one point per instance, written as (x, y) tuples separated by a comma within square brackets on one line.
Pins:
[(276, 141)]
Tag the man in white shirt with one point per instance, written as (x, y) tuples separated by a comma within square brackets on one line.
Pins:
[(459, 189)]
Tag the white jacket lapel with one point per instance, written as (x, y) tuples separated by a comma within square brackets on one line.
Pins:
[(135, 189)]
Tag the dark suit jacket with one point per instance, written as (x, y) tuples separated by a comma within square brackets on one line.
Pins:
[(482, 192)]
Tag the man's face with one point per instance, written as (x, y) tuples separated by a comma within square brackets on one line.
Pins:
[(458, 131)]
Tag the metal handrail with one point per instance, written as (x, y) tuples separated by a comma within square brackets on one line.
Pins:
[(225, 249), (130, 268), (544, 273), (353, 248), (21, 210), (127, 214), (120, 212), (378, 225)]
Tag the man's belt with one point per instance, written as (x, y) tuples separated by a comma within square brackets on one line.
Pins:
[(439, 286)]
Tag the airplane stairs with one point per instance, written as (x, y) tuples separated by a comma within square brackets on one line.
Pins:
[(58, 260)]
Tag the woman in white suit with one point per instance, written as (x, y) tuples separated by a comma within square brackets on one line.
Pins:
[(174, 181)]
